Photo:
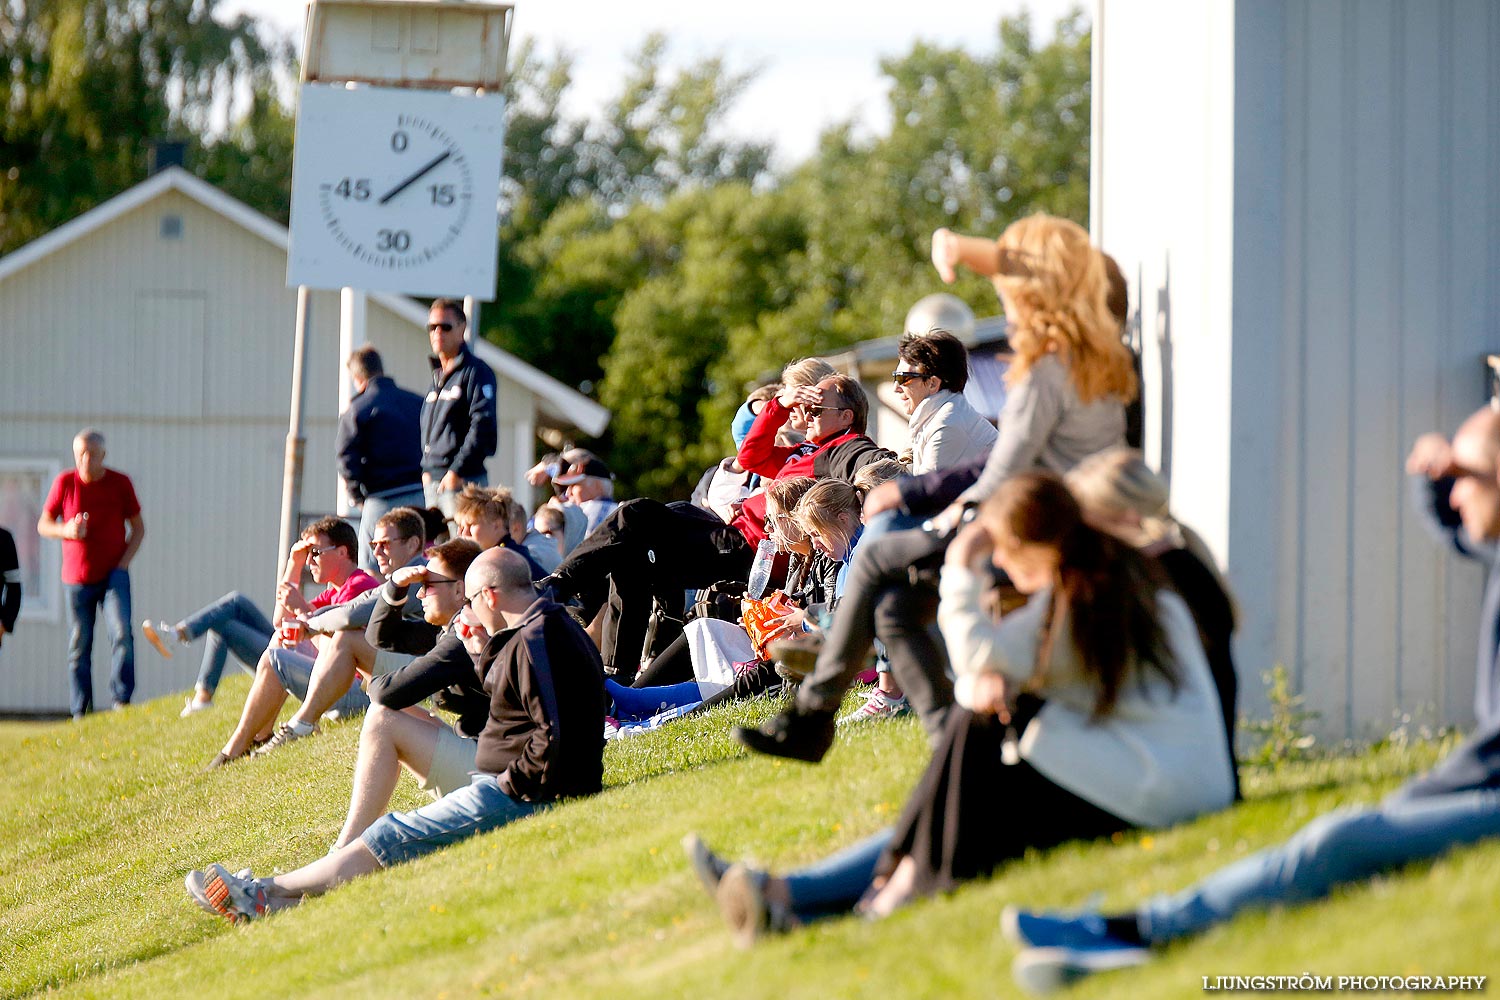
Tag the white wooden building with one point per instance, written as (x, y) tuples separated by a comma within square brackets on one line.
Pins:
[(1306, 198), (162, 318)]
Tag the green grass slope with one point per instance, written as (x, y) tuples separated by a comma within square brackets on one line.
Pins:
[(100, 820)]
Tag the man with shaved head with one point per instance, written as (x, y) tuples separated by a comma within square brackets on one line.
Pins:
[(543, 741)]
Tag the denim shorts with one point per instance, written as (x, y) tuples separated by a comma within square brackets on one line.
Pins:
[(478, 807), (294, 669)]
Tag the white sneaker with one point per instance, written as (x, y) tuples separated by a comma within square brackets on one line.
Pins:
[(192, 707), (879, 706), (157, 634)]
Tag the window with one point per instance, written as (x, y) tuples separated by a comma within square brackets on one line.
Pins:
[(24, 483)]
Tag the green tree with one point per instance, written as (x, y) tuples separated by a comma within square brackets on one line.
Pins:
[(568, 180), (88, 85)]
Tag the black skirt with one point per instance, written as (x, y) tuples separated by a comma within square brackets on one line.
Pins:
[(971, 811)]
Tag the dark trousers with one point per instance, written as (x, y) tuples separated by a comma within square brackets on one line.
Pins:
[(646, 550), (971, 811), (83, 603), (891, 592)]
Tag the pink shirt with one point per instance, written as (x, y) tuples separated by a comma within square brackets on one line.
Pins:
[(359, 581)]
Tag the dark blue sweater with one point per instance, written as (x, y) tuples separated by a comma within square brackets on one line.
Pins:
[(380, 439), (1430, 498)]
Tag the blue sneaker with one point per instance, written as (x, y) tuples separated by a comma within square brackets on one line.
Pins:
[(1063, 948), (1054, 930)]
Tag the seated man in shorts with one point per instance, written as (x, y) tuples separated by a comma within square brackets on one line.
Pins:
[(330, 547), (397, 732), (542, 742), (330, 684)]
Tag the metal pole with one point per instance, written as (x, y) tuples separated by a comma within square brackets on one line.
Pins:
[(471, 312), (291, 470), (353, 314)]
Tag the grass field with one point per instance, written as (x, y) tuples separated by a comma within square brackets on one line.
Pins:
[(100, 820)]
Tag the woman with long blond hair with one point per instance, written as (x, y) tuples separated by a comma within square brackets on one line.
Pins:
[(1067, 389)]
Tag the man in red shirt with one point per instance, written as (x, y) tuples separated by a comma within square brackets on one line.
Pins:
[(94, 512), (328, 548)]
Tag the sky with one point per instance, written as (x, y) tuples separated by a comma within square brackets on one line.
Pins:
[(818, 62)]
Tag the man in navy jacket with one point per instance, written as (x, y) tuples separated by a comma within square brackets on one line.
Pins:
[(458, 414), (379, 446)]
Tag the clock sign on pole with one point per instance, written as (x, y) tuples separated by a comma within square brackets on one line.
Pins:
[(396, 170), (395, 191)]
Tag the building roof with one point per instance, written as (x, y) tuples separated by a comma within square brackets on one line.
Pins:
[(556, 401)]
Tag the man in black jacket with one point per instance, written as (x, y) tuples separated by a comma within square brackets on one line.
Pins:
[(543, 741), (458, 415), (379, 446), (396, 732), (10, 584)]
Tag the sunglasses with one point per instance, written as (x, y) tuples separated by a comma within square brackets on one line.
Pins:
[(901, 378), (445, 327), (821, 409), (318, 553), (433, 580), (784, 525)]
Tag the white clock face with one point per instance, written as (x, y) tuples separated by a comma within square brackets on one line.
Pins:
[(395, 190)]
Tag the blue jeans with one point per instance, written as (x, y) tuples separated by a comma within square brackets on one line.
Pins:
[(637, 704), (294, 668), (376, 507), (234, 625), (1342, 846), (84, 600), (832, 886), (466, 812), (447, 500)]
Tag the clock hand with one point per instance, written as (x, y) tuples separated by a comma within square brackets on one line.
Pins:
[(413, 178)]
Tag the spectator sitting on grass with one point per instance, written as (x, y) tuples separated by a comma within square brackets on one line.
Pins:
[(647, 550), (1128, 731), (331, 682), (485, 515), (234, 624), (396, 732), (1454, 804), (1120, 494), (1065, 400), (542, 548), (330, 547), (541, 743), (822, 534)]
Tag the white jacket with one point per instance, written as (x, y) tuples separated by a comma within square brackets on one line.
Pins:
[(946, 431), (1157, 759)]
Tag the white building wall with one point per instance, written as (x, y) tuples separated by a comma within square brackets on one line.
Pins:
[(1305, 199), (180, 353)]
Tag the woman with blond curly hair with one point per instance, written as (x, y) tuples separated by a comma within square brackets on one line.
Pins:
[(1072, 374), (1067, 389)]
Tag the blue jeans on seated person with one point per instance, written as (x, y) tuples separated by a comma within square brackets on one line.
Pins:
[(234, 625), (637, 704), (466, 812), (832, 886), (294, 668), (1343, 846), (83, 601)]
